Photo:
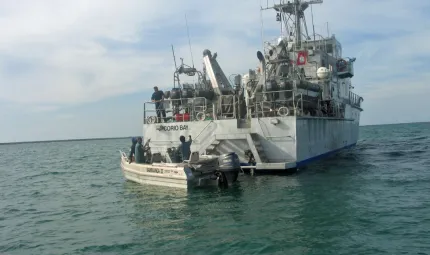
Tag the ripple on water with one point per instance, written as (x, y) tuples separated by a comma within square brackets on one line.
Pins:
[(372, 199)]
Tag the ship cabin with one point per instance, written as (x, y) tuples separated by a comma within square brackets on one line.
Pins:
[(326, 66)]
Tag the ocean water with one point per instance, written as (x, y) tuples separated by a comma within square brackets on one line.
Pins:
[(71, 198)]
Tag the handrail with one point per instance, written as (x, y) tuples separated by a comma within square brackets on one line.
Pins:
[(233, 104), (287, 102), (262, 104), (203, 130), (173, 106), (355, 99)]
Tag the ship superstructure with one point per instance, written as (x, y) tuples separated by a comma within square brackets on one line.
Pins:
[(297, 106)]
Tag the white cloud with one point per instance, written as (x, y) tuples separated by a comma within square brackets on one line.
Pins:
[(50, 53), (57, 44)]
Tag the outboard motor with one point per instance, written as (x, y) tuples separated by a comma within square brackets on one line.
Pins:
[(229, 167), (174, 154)]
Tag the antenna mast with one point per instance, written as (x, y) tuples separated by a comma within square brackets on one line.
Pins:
[(313, 25), (174, 58), (175, 77), (189, 42), (297, 10)]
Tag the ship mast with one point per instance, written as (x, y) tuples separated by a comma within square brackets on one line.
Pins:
[(295, 8), (298, 23)]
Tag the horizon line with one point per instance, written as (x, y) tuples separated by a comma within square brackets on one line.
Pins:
[(66, 140)]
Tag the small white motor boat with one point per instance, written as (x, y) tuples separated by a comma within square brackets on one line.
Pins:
[(198, 171)]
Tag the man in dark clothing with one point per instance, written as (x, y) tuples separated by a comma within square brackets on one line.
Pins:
[(185, 147), (139, 152), (132, 150), (158, 97)]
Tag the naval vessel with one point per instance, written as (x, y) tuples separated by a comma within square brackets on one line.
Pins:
[(296, 107)]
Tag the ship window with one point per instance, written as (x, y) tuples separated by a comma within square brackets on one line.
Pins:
[(339, 49), (329, 48)]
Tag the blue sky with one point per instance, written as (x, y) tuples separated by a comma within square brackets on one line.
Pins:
[(78, 69)]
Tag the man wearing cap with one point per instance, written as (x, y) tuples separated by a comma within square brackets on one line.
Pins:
[(158, 97)]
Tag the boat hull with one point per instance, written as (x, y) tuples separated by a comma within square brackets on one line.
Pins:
[(175, 175)]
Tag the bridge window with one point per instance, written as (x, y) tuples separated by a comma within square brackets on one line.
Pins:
[(329, 48)]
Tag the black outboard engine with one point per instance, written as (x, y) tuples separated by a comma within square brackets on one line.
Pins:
[(174, 154), (228, 168)]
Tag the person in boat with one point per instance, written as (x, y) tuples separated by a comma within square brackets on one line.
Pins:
[(157, 98), (139, 152), (132, 149), (185, 147)]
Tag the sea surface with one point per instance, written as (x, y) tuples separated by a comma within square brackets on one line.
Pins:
[(71, 198)]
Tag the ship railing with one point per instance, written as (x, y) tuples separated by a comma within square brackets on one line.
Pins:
[(196, 107), (228, 104), (354, 99), (276, 103), (320, 43)]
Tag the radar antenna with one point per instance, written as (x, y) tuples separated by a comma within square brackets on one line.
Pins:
[(294, 11)]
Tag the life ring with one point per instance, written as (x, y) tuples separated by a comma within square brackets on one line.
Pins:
[(200, 116), (341, 65), (151, 120), (283, 111)]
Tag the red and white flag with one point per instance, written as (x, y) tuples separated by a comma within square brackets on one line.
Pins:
[(301, 58)]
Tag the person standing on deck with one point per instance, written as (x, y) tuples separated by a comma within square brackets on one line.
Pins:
[(139, 152), (185, 147), (132, 150), (158, 97)]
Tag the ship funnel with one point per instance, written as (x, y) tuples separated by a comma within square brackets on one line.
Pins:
[(262, 62), (260, 56)]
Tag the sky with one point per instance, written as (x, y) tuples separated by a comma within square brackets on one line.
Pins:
[(82, 69)]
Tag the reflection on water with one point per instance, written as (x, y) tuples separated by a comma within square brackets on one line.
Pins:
[(229, 217)]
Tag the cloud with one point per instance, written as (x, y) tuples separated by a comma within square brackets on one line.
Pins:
[(50, 51), (56, 54)]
